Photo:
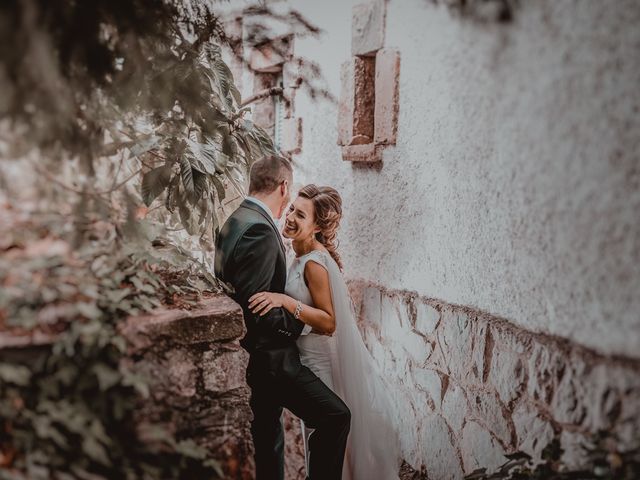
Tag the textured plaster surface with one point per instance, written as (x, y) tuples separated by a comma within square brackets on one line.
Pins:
[(514, 185)]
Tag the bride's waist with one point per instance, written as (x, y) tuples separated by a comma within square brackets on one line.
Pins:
[(315, 343)]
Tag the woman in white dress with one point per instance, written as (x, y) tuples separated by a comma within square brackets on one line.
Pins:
[(317, 294)]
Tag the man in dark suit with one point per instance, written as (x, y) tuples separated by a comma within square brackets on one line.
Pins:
[(250, 258)]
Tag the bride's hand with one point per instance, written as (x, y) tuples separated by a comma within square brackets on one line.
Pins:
[(262, 302)]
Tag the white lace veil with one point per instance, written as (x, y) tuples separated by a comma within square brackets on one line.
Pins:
[(372, 450)]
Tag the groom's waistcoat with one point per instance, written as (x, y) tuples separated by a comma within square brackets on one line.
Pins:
[(250, 258)]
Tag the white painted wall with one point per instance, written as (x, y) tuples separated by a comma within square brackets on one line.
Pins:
[(514, 187)]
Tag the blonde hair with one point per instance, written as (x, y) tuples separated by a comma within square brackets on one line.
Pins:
[(327, 210)]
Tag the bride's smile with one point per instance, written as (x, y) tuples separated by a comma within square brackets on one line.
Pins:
[(300, 225)]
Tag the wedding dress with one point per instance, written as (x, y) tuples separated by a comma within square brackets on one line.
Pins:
[(344, 364)]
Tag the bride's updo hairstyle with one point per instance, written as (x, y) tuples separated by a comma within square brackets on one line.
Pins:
[(327, 210)]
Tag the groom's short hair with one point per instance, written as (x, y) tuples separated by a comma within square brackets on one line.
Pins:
[(267, 173)]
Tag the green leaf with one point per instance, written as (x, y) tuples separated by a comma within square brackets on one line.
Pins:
[(144, 144), (207, 154), (15, 374), (189, 448), (136, 381), (186, 218), (95, 450), (116, 296), (186, 173), (106, 375), (219, 188), (154, 182)]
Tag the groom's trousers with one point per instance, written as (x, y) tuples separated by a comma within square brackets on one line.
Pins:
[(307, 397)]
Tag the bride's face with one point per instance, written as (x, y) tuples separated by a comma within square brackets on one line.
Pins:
[(300, 223)]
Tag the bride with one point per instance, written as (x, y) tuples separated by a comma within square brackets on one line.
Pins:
[(316, 293)]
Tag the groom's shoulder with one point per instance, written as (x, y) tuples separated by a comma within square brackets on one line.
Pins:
[(247, 216), (243, 220)]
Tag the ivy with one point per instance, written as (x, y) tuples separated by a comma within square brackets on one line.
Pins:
[(67, 409), (603, 461)]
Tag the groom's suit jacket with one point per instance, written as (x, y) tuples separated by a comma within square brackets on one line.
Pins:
[(250, 258)]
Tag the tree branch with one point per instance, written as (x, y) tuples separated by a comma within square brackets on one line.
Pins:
[(267, 92)]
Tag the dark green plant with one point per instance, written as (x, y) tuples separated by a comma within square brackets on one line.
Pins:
[(603, 460), (136, 86), (67, 409)]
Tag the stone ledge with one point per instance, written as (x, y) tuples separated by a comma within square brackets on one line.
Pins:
[(367, 31), (217, 319), (367, 153)]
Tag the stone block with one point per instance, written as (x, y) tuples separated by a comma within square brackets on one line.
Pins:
[(217, 319), (294, 447), (197, 383), (345, 105), (574, 455), (391, 327), (225, 371), (532, 431), (182, 372), (409, 418), (481, 349), (480, 449), (368, 153), (455, 339), (292, 135), (488, 409), (454, 407), (510, 338), (387, 96), (546, 368), (367, 27), (508, 375), (567, 404), (427, 317), (371, 311), (429, 381), (439, 450), (417, 349)]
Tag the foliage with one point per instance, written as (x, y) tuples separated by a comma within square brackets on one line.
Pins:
[(109, 92), (69, 413), (603, 461), (143, 78)]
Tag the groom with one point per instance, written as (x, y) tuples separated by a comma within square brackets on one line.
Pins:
[(250, 258)]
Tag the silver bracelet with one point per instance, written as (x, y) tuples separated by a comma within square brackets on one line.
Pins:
[(298, 311)]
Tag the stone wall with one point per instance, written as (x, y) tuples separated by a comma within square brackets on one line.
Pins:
[(197, 372), (469, 387)]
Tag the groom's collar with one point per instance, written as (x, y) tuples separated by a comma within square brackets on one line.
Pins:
[(262, 205), (258, 206)]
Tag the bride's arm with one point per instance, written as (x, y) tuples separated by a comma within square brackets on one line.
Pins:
[(320, 316)]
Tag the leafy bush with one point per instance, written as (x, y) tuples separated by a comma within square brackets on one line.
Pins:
[(67, 409), (123, 90), (603, 461)]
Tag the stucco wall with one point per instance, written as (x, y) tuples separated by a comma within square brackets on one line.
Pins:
[(514, 186)]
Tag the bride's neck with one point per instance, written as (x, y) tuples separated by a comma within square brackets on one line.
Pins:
[(302, 247)]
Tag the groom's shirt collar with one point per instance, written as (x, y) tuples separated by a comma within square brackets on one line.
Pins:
[(261, 204)]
